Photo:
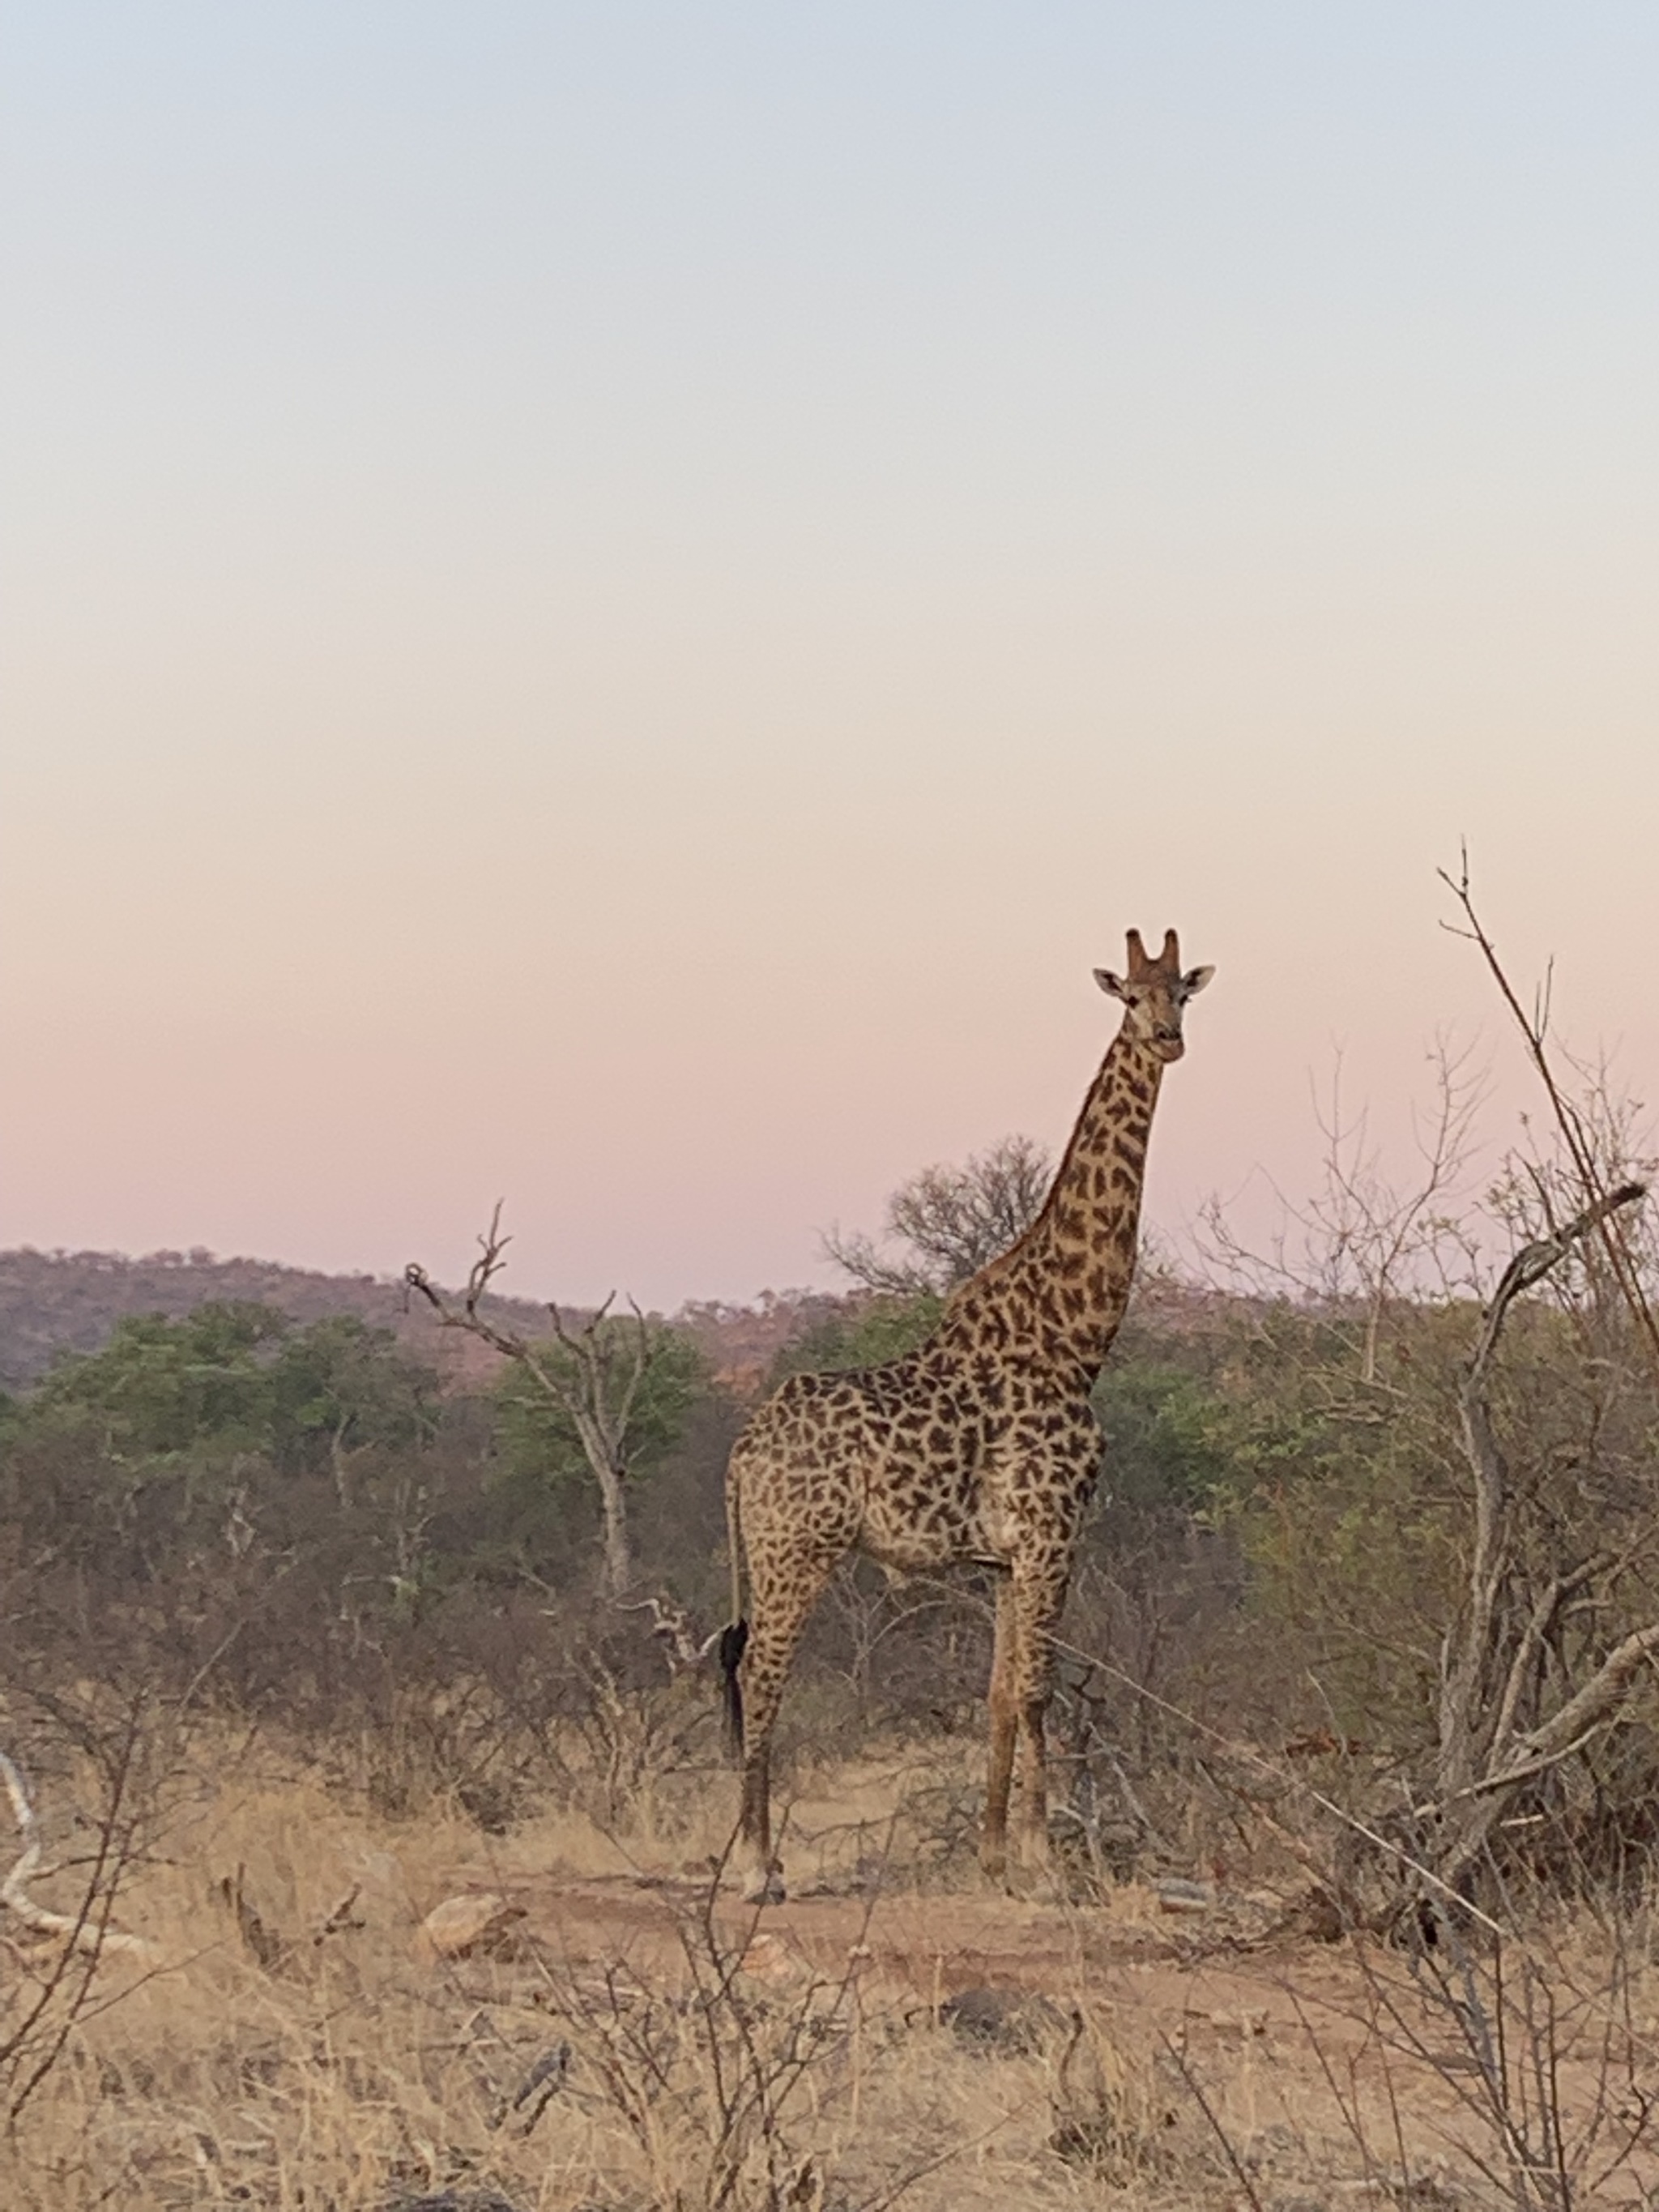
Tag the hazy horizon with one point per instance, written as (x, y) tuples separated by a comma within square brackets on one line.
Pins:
[(611, 608)]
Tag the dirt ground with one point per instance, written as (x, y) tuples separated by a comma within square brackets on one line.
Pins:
[(1281, 2071)]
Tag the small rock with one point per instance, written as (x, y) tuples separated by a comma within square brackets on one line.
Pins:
[(1173, 1896), (466, 1927), (1012, 2020), (771, 1956)]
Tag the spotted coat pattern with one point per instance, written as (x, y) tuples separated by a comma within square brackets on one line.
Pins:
[(980, 1445)]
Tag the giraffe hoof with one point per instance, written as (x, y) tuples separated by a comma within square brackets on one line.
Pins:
[(764, 1886), (1036, 1875)]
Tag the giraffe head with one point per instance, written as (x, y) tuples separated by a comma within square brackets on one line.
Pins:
[(1155, 992)]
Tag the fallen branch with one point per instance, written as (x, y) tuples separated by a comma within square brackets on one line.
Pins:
[(672, 1626), (83, 1931)]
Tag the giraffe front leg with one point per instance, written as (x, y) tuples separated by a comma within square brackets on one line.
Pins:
[(994, 1839), (759, 1877), (1038, 1598)]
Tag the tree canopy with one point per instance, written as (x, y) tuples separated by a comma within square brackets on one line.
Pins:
[(235, 1378), (948, 1221)]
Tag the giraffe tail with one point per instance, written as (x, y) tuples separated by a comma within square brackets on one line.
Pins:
[(734, 1637)]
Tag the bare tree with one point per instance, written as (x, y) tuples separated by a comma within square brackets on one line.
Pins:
[(1505, 1717), (952, 1220), (1515, 1703), (1531, 1626), (1360, 1241), (1574, 1118), (594, 1381)]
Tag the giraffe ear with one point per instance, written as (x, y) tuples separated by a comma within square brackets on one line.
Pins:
[(1112, 985), (1194, 981)]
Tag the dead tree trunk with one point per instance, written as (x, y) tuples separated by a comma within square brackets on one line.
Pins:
[(1494, 1733), (596, 1391)]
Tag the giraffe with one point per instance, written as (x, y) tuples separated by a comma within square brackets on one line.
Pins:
[(980, 1446)]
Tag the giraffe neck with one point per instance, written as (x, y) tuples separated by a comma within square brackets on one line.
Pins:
[(1065, 1284)]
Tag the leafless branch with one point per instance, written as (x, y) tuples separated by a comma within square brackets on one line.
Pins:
[(1363, 1241), (1569, 1116), (1528, 1267), (1491, 1658), (483, 1273), (340, 1918), (596, 1391), (85, 1931), (672, 1626)]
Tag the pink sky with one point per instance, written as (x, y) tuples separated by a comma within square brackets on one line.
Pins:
[(619, 626)]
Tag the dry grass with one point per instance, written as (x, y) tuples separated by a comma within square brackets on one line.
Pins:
[(291, 2047)]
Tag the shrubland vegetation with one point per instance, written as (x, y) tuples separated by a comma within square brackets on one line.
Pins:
[(1363, 1622)]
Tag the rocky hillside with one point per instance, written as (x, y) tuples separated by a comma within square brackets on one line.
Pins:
[(52, 1303)]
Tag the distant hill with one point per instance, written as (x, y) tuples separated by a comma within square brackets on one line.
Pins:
[(52, 1303)]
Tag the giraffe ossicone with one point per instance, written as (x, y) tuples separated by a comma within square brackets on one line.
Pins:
[(980, 1446)]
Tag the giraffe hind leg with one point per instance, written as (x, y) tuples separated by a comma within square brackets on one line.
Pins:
[(779, 1606), (1004, 1717)]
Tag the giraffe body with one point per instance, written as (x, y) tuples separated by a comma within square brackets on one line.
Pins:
[(979, 1446)]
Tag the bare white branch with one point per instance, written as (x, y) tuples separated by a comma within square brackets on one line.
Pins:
[(86, 1930), (605, 1369)]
